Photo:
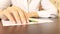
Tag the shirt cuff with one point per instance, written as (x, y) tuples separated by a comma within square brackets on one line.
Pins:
[(43, 14)]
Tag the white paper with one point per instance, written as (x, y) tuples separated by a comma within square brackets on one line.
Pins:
[(8, 23)]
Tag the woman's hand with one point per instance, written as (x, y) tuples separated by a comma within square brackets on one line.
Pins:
[(15, 14), (1, 14)]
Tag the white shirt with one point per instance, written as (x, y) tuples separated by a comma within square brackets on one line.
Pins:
[(49, 9)]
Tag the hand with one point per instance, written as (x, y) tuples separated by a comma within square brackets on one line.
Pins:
[(33, 14), (15, 14), (1, 13)]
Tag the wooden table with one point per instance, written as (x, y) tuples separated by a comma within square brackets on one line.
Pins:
[(43, 28)]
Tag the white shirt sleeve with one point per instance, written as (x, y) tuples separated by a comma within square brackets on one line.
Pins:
[(49, 9), (4, 4)]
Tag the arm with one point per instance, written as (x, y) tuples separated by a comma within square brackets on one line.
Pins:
[(49, 9)]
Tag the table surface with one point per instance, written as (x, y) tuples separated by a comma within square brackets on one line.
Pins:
[(42, 28)]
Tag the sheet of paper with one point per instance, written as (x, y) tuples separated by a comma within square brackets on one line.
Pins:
[(8, 23)]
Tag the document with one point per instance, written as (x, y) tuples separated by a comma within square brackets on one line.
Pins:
[(32, 21)]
